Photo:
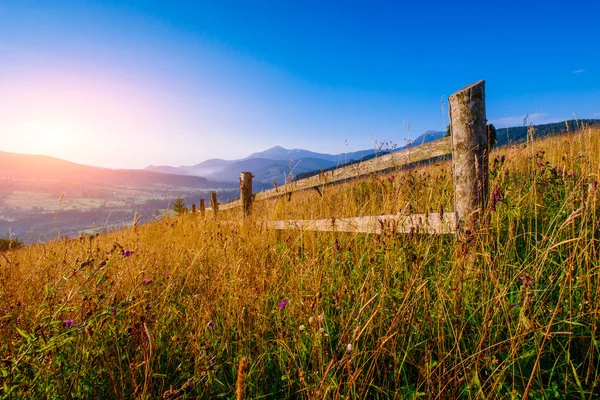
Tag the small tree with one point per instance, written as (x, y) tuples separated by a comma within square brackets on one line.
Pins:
[(8, 244), (179, 206)]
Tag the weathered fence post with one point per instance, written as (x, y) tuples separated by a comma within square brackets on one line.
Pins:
[(213, 202), (469, 153), (202, 207), (246, 191)]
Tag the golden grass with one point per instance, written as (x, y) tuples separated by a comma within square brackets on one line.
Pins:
[(323, 315)]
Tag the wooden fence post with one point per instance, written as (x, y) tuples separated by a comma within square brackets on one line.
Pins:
[(213, 201), (202, 207), (246, 191), (469, 153)]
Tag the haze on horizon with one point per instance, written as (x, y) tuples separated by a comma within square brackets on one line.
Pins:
[(127, 84)]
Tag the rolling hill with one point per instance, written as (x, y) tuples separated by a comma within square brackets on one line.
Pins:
[(35, 167)]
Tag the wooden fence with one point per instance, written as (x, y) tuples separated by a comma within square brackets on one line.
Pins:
[(468, 144)]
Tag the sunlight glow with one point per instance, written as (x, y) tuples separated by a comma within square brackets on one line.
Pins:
[(51, 137)]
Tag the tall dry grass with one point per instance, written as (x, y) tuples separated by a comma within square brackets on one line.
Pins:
[(171, 308)]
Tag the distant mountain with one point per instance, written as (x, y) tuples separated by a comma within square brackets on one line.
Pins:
[(517, 134), (428, 136), (268, 170), (277, 163), (274, 164), (165, 169), (280, 153), (35, 167), (207, 167)]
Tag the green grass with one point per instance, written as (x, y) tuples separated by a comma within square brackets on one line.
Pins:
[(512, 309)]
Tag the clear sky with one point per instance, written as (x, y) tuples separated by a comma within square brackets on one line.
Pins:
[(125, 84)]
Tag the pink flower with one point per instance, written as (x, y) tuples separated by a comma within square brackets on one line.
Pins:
[(68, 323), (283, 304)]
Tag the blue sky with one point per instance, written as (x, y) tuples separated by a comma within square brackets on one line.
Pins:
[(132, 83)]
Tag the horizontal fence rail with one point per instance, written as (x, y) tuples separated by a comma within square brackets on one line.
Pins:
[(393, 223), (426, 151)]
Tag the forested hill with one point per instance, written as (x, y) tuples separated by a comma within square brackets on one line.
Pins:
[(515, 134)]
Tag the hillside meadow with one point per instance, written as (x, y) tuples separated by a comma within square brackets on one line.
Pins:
[(200, 307)]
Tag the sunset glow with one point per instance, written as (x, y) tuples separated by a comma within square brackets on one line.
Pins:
[(108, 85)]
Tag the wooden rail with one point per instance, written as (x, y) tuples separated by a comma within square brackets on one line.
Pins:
[(410, 155), (393, 223)]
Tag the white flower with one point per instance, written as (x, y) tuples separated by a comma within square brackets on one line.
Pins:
[(349, 347), (302, 327)]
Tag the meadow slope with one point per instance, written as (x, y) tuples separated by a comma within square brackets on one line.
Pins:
[(170, 308)]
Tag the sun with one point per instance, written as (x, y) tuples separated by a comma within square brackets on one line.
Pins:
[(51, 137)]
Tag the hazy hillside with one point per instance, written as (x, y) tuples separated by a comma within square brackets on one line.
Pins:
[(165, 169), (32, 167), (283, 154), (266, 170), (208, 167), (519, 133), (426, 137), (41, 197)]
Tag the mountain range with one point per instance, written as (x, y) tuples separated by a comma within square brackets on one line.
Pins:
[(278, 164), (35, 167)]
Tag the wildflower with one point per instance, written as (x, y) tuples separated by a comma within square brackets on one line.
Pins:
[(147, 281), (210, 324), (126, 253), (68, 323), (283, 304), (496, 197), (337, 246), (321, 317), (527, 281), (19, 320), (349, 347), (302, 327)]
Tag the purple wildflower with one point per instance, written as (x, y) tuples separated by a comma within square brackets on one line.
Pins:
[(20, 319), (495, 198), (527, 281), (337, 246), (283, 304), (68, 323), (147, 281), (127, 253), (210, 324)]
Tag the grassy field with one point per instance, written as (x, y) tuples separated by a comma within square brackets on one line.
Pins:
[(198, 308)]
